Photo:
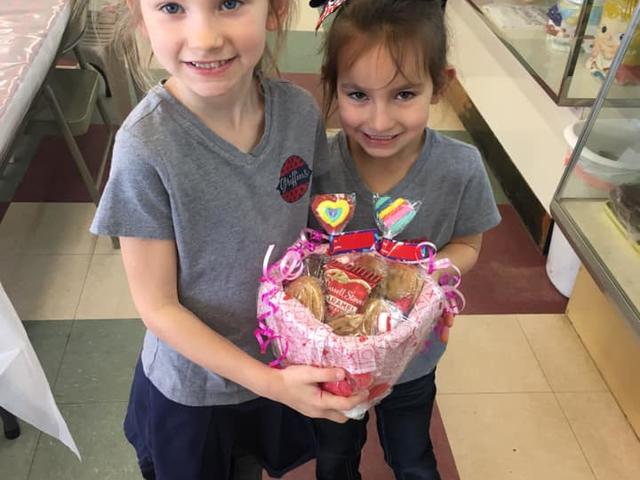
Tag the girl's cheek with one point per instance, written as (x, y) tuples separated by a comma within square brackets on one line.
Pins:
[(349, 115)]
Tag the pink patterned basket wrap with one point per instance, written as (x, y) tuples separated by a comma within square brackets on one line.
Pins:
[(307, 341)]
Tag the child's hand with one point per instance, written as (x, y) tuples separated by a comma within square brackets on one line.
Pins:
[(445, 323), (299, 387)]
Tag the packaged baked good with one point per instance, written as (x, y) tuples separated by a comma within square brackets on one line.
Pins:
[(308, 291), (348, 287), (402, 285)]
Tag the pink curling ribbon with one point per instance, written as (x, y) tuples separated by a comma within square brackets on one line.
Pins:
[(455, 299), (288, 268), (449, 283)]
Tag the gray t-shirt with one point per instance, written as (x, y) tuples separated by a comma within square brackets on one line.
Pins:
[(173, 178), (450, 180)]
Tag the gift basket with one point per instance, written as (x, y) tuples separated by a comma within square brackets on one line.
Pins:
[(357, 300)]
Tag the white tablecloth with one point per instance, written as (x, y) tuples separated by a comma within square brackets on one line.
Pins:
[(30, 33), (24, 389)]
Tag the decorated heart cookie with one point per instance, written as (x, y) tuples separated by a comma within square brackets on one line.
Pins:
[(333, 211), (393, 215)]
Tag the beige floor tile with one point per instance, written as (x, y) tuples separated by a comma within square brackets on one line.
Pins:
[(47, 228), (44, 287), (17, 224), (489, 353), (443, 117), (520, 436), (607, 440), (106, 292), (562, 356)]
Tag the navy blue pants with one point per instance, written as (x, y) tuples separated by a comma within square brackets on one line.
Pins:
[(179, 442), (403, 420)]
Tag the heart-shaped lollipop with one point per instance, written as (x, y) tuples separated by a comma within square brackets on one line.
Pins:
[(393, 215), (333, 211)]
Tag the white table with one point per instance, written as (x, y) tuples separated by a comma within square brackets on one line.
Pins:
[(30, 33)]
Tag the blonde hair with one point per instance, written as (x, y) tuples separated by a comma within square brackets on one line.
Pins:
[(125, 42)]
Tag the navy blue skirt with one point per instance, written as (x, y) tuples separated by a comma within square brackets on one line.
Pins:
[(175, 441)]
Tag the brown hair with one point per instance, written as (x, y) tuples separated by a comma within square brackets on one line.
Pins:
[(129, 17), (403, 27)]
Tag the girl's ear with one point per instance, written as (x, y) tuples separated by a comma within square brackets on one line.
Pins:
[(448, 75), (277, 14)]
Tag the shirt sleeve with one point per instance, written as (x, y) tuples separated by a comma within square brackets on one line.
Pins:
[(135, 202), (478, 211)]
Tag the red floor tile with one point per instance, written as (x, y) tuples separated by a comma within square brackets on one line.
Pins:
[(510, 275), (52, 175)]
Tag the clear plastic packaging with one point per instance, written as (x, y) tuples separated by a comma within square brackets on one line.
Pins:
[(355, 300)]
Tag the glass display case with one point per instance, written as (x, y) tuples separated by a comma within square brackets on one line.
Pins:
[(568, 45), (597, 204)]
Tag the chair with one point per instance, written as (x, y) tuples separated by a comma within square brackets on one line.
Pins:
[(70, 96), (96, 47)]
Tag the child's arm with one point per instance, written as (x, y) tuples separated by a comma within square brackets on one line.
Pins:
[(463, 251), (151, 267)]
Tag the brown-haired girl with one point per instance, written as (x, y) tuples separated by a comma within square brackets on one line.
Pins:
[(385, 64)]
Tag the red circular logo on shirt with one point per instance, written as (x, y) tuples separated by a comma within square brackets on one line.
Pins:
[(295, 176)]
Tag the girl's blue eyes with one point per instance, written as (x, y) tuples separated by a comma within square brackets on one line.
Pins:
[(230, 4), (173, 8)]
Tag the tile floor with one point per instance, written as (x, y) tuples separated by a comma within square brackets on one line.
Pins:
[(519, 396)]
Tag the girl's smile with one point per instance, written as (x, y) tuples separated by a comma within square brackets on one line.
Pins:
[(380, 140), (210, 68)]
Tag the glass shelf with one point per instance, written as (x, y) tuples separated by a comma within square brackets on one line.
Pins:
[(597, 204), (557, 63)]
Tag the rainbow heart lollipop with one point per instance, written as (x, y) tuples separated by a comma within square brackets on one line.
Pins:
[(393, 215), (333, 211)]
